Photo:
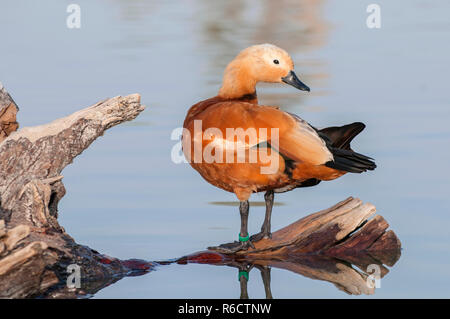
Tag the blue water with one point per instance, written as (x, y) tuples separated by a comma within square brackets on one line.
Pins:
[(126, 198)]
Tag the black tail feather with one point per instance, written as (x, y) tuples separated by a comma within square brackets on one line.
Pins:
[(345, 159), (350, 161), (341, 136)]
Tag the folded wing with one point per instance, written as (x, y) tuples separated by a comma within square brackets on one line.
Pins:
[(297, 140)]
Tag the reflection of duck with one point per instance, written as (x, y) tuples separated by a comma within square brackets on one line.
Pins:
[(285, 153), (346, 278)]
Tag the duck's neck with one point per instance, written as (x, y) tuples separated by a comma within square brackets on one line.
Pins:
[(238, 83)]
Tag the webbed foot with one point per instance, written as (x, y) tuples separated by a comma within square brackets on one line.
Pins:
[(261, 235)]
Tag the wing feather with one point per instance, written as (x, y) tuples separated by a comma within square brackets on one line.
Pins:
[(297, 139)]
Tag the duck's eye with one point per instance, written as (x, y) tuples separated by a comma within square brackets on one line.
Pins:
[(276, 61)]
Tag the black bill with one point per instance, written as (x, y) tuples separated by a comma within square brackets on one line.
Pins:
[(293, 80)]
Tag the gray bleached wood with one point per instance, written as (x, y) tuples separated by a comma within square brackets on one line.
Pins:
[(34, 249)]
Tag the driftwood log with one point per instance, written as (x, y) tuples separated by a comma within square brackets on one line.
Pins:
[(330, 232), (321, 246), (35, 250)]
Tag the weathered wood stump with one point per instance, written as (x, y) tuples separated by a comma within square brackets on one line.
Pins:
[(35, 250), (331, 232)]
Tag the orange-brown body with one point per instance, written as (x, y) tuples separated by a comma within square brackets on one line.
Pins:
[(246, 178)]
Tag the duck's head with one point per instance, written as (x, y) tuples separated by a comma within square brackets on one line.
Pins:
[(259, 63)]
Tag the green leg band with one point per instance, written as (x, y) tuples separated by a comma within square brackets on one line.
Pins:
[(243, 273), (243, 238)]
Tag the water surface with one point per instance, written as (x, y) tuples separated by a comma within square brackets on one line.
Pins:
[(126, 198)]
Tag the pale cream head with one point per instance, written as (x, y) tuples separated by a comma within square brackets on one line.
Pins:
[(258, 63)]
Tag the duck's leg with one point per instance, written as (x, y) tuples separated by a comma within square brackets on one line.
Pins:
[(243, 282), (265, 229), (265, 275), (243, 279), (244, 239)]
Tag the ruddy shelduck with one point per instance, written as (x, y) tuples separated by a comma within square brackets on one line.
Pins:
[(300, 155)]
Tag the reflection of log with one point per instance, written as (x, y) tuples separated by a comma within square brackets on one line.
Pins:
[(343, 276), (34, 248), (317, 267)]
